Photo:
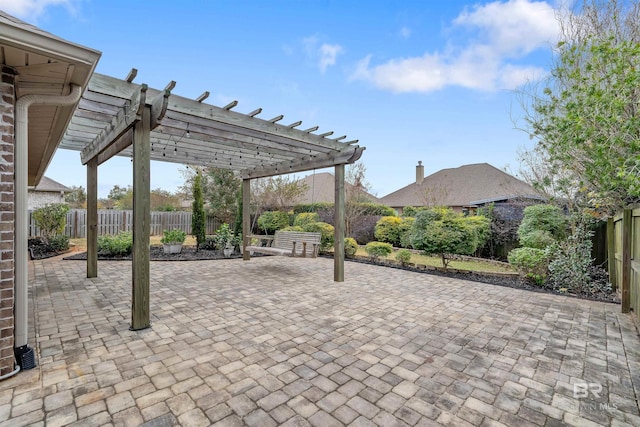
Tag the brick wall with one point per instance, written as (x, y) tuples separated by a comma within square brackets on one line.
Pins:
[(7, 225)]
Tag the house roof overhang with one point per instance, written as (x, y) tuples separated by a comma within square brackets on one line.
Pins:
[(192, 132), (43, 64)]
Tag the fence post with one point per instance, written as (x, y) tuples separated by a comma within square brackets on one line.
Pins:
[(626, 260), (611, 253)]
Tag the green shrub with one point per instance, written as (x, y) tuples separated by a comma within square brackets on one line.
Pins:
[(481, 227), (270, 221), (51, 219), (375, 209), (403, 256), (305, 218), (120, 244), (326, 231), (410, 211), (538, 239), (312, 207), (530, 262), (209, 243), (59, 243), (387, 230), (544, 218), (350, 247), (224, 237), (378, 249), (293, 228), (443, 232), (172, 237), (571, 265), (405, 231)]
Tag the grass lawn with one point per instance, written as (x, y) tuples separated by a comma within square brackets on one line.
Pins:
[(434, 261)]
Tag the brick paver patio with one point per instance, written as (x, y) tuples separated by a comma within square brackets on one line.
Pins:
[(275, 341)]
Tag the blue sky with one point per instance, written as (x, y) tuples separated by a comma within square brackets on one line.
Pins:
[(425, 80)]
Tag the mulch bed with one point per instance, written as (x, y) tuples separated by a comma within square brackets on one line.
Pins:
[(508, 280), (156, 253)]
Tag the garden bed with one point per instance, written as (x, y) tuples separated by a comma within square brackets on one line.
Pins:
[(156, 253), (511, 280), (40, 250)]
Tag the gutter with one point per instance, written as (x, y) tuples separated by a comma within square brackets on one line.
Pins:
[(21, 158)]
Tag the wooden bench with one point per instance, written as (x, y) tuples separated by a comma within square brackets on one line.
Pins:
[(285, 243)]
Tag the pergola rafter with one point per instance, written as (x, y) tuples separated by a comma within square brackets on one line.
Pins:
[(120, 117)]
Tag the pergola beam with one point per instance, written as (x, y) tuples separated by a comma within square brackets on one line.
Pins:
[(119, 144), (119, 125), (345, 157), (244, 121)]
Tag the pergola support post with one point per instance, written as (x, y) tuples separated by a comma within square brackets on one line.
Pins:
[(92, 218), (338, 219), (141, 221), (246, 217)]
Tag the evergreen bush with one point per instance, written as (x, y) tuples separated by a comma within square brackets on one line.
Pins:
[(270, 221), (326, 232), (350, 247), (403, 256), (118, 245), (377, 250)]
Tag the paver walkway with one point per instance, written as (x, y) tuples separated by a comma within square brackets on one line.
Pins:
[(275, 341)]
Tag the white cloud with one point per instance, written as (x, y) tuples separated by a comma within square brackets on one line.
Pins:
[(513, 27), (328, 55), (500, 32), (31, 9), (405, 32), (324, 54)]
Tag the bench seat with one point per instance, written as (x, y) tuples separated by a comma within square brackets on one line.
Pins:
[(286, 243)]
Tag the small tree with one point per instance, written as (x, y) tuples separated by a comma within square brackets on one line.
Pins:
[(77, 198), (198, 218), (376, 250), (51, 219), (237, 226), (441, 231)]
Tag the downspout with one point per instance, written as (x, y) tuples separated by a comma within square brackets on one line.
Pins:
[(21, 158)]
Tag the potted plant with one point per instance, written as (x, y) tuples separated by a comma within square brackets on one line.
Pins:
[(225, 240), (172, 241)]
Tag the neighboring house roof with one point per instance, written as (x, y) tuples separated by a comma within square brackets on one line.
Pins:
[(321, 189), (462, 186), (49, 185)]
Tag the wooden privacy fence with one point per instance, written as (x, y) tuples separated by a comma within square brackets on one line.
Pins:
[(623, 243), (115, 221)]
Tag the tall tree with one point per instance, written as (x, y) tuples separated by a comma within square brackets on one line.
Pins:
[(356, 194), (220, 188), (278, 193), (198, 226), (586, 117), (77, 197)]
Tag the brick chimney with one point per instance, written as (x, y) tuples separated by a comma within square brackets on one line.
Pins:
[(419, 173)]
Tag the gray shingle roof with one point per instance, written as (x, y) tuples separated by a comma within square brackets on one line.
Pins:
[(49, 185), (459, 187), (321, 189)]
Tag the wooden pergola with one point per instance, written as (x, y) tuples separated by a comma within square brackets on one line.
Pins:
[(120, 117)]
